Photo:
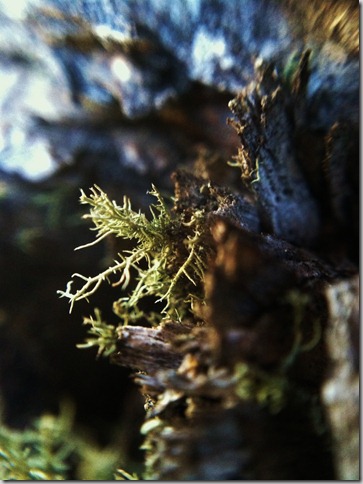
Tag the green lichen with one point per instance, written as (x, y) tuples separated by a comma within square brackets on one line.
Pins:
[(122, 475), (248, 174), (300, 303), (166, 264), (101, 335)]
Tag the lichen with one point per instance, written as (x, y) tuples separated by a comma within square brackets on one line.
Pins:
[(168, 260), (101, 335)]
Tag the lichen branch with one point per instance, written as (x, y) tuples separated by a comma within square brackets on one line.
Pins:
[(168, 259)]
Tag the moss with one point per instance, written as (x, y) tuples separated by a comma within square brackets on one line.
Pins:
[(53, 449), (37, 453), (268, 390)]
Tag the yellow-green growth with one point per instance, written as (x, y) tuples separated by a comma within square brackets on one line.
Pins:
[(167, 261), (101, 335), (268, 390), (52, 450), (37, 453)]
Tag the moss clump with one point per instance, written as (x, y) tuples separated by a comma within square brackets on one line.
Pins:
[(52, 450), (37, 453)]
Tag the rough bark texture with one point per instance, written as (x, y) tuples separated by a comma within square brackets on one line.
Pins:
[(340, 392), (261, 381)]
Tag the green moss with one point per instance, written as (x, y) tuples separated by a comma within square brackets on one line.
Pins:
[(51, 449), (37, 453), (272, 389), (267, 389)]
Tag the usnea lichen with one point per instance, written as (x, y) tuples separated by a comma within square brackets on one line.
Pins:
[(101, 335), (167, 262)]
